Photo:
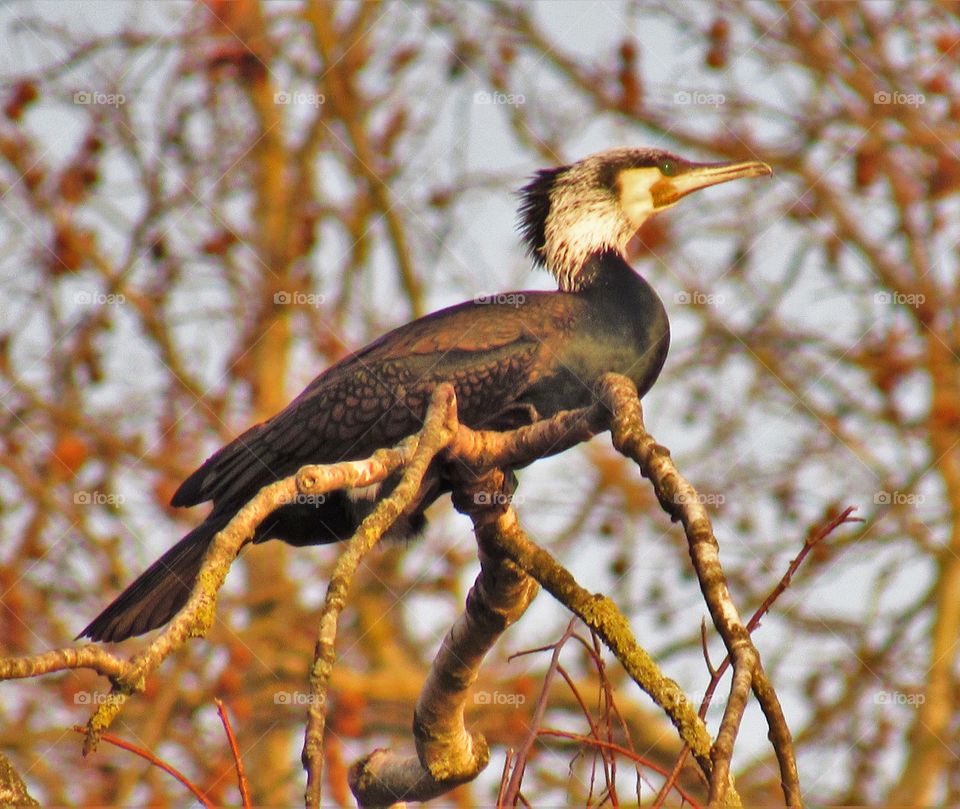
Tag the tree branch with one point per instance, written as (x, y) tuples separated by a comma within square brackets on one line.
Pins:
[(679, 499), (447, 754), (506, 537), (475, 463), (13, 791), (438, 430), (196, 617)]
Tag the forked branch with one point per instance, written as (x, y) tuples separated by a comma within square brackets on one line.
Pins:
[(680, 500), (474, 462)]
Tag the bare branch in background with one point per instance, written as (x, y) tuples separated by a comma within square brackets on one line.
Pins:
[(204, 206)]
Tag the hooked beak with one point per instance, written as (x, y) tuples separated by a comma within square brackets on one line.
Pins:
[(703, 175), (646, 191)]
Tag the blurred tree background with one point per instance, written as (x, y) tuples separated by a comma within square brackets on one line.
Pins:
[(202, 206)]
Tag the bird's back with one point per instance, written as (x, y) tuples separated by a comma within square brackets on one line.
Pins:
[(492, 353)]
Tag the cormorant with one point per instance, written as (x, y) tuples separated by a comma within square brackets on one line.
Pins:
[(511, 363)]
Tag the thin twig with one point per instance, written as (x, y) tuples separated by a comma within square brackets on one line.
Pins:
[(594, 730), (235, 751), (812, 539), (623, 751), (116, 741), (601, 615), (505, 774), (609, 708), (513, 788)]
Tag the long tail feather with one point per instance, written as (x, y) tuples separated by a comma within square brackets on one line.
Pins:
[(158, 593)]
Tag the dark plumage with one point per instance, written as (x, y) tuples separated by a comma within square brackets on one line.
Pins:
[(510, 363)]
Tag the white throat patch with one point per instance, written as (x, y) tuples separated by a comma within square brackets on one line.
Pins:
[(585, 219), (588, 216)]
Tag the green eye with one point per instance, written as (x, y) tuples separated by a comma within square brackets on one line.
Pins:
[(668, 168)]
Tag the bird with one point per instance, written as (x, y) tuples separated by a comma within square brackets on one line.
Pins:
[(512, 359)]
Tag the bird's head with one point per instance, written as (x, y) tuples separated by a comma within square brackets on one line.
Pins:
[(571, 213)]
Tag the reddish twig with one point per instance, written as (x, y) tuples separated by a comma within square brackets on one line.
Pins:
[(504, 776), (623, 751), (594, 730), (509, 797), (813, 538), (237, 761), (116, 741), (705, 648), (609, 708)]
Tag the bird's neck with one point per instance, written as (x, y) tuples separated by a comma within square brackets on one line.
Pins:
[(629, 312), (609, 278), (607, 271)]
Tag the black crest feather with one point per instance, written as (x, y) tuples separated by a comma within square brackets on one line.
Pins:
[(534, 209)]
